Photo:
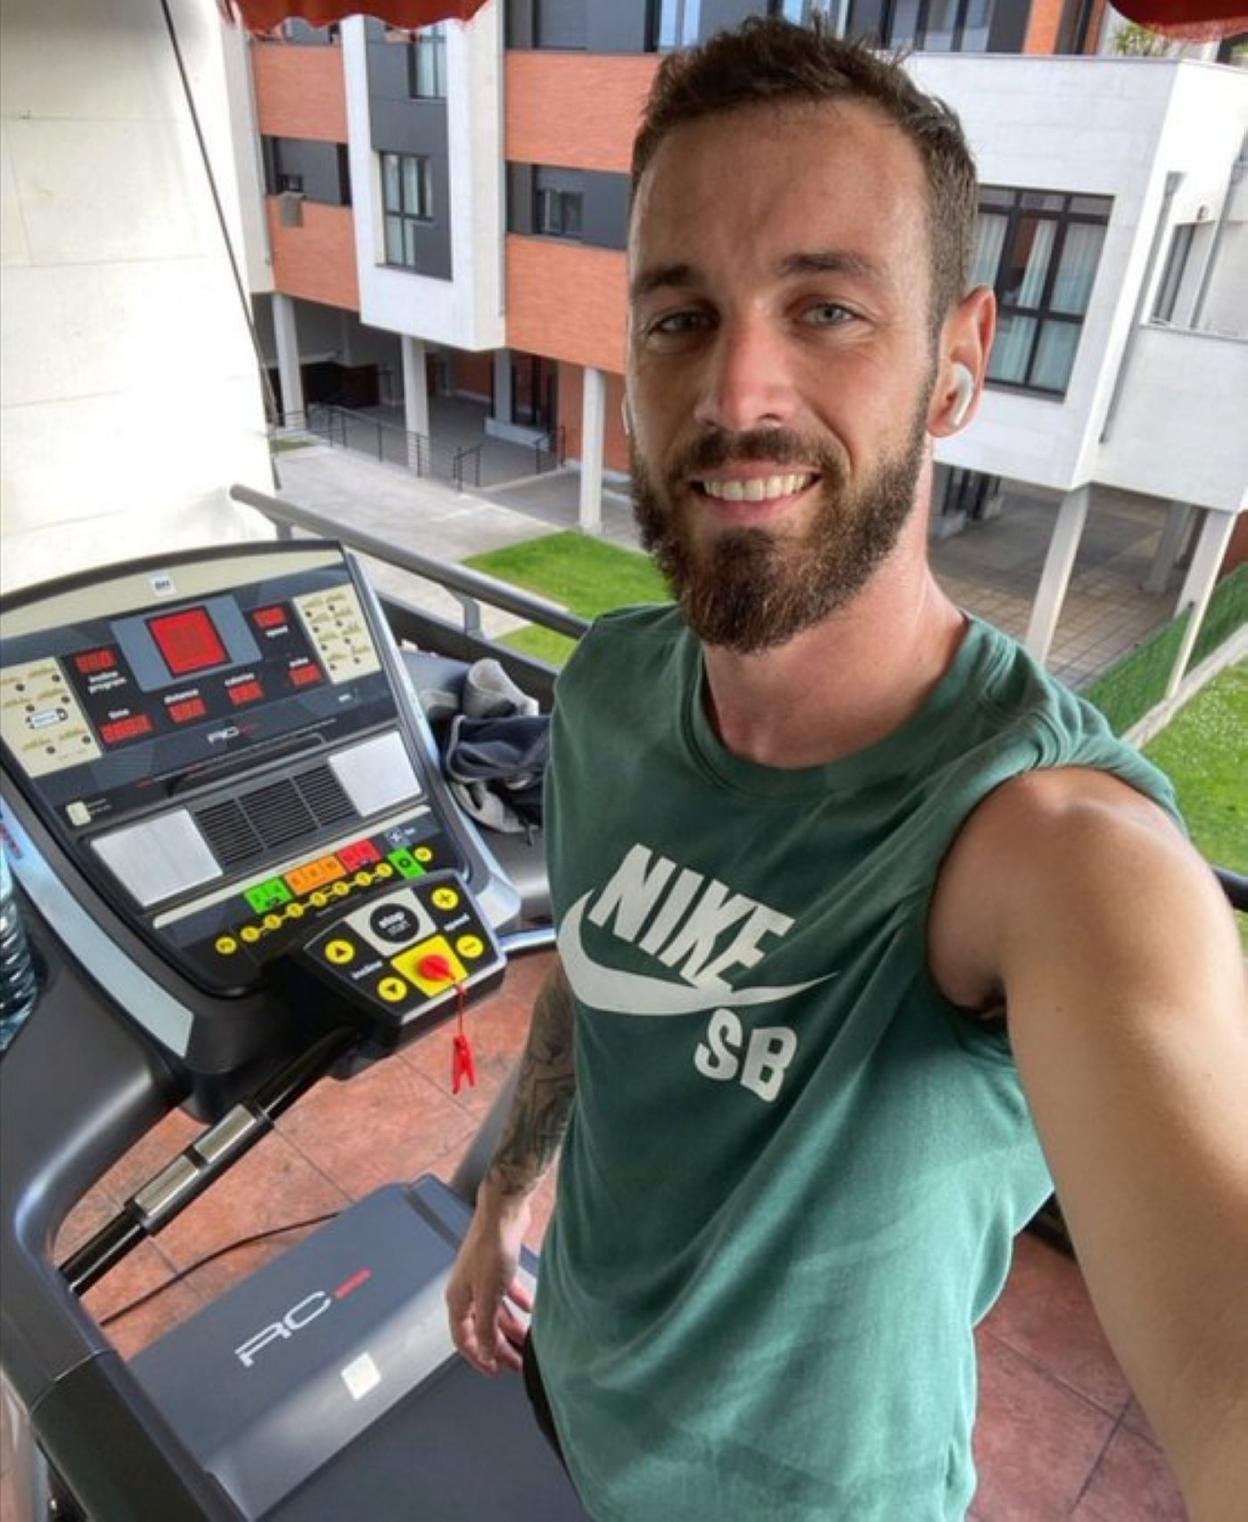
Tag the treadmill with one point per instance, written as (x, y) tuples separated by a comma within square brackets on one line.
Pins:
[(240, 869)]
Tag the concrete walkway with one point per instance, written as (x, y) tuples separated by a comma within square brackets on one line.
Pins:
[(412, 512)]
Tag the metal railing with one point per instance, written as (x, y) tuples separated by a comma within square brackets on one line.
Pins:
[(465, 641), (387, 442), (466, 463)]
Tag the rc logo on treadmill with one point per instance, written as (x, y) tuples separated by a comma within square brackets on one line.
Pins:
[(302, 1314)]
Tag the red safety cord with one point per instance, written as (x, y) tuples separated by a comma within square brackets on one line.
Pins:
[(436, 968)]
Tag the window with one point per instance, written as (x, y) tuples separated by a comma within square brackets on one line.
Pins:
[(934, 26), (407, 196), (1039, 250), (426, 63), (675, 24), (1176, 268), (558, 196)]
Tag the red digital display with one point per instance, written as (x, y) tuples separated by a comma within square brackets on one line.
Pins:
[(360, 853), (246, 692), (184, 712), (95, 661), (269, 618), (125, 729), (188, 641), (304, 676)]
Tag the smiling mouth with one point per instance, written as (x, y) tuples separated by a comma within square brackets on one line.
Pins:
[(757, 488)]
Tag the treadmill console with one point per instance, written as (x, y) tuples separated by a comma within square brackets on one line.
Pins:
[(223, 747)]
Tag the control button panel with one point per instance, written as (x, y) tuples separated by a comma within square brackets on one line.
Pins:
[(406, 953)]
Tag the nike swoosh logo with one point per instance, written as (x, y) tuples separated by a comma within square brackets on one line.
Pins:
[(632, 993)]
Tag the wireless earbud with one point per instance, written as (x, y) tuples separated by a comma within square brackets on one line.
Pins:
[(626, 418), (964, 385)]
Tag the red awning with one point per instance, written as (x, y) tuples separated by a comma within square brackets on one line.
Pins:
[(1187, 20), (264, 15)]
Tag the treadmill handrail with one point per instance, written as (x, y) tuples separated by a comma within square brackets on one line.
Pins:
[(455, 578)]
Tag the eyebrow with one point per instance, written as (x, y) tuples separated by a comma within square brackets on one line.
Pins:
[(824, 261)]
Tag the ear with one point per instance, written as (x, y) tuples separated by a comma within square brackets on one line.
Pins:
[(965, 343)]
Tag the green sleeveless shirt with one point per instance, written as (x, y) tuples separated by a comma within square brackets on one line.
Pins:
[(793, 1170)]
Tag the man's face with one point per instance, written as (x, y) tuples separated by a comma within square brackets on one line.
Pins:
[(781, 361)]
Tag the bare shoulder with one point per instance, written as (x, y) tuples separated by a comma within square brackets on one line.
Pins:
[(1054, 859)]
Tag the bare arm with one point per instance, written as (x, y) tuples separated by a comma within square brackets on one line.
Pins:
[(1125, 995), (484, 1287), (547, 1083)]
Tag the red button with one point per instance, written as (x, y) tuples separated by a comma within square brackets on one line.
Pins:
[(269, 618), (434, 968), (192, 708), (125, 729), (360, 853), (303, 676), (96, 660), (246, 692)]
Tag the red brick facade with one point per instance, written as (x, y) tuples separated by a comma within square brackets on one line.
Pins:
[(317, 260), (300, 91), (576, 111), (566, 301)]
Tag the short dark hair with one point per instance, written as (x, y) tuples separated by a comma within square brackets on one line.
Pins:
[(767, 61)]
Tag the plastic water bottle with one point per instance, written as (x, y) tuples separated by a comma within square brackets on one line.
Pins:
[(18, 985)]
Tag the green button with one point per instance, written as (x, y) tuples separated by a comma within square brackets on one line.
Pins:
[(406, 863), (270, 895)]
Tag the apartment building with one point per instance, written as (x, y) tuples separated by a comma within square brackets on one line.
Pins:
[(449, 209)]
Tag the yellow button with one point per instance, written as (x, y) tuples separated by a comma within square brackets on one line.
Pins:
[(249, 933), (294, 911), (320, 899), (272, 922), (408, 963), (469, 946), (362, 879), (227, 945), (445, 898), (392, 990), (340, 890), (339, 952), (423, 854), (384, 869)]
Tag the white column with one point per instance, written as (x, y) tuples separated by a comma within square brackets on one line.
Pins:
[(1168, 547), (593, 433), (415, 396), (1054, 579), (502, 385), (286, 335), (1210, 552)]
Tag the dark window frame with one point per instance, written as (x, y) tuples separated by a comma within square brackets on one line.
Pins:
[(918, 40), (1042, 314), (1173, 271), (422, 216), (564, 206), (431, 40)]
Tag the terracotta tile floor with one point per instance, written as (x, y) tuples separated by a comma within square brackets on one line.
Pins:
[(1059, 1435)]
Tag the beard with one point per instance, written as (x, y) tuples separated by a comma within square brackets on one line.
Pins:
[(750, 589)]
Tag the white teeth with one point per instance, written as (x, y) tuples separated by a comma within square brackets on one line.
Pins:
[(759, 489)]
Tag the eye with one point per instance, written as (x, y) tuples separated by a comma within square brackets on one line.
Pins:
[(828, 314), (678, 324)]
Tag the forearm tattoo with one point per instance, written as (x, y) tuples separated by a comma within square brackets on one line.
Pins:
[(544, 1092)]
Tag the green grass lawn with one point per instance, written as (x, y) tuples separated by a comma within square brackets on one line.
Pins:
[(1202, 752), (586, 575)]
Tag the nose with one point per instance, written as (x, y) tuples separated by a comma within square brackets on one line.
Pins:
[(747, 381)]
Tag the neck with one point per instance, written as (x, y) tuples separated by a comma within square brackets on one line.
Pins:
[(843, 684)]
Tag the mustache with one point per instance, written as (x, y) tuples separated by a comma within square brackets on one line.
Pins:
[(777, 445)]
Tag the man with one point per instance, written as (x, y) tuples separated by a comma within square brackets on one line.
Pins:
[(853, 899)]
